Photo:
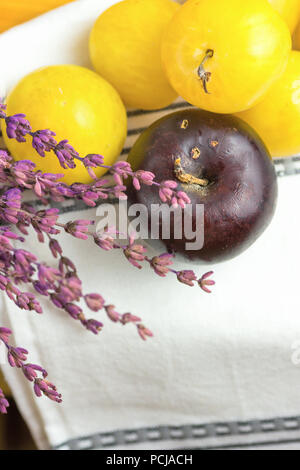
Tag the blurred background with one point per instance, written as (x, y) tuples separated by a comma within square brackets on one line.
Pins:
[(13, 12)]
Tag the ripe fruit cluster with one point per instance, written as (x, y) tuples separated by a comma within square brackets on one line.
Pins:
[(232, 57), (222, 57)]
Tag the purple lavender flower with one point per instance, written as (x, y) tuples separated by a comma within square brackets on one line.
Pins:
[(23, 261), (142, 176), (23, 174), (42, 221), (10, 204), (55, 248), (187, 277), (161, 264), (135, 253), (17, 127), (41, 288), (46, 220), (5, 158), (3, 283), (22, 171), (2, 110), (204, 282), (95, 302), (166, 190), (4, 404), (74, 310), (144, 332), (88, 193), (5, 231), (42, 386), (119, 192), (47, 183), (129, 318), (92, 161), (92, 325), (27, 301), (57, 301), (29, 370), (180, 198), (66, 265), (112, 314), (168, 193), (12, 198), (121, 170), (5, 333), (5, 243), (12, 291), (66, 154), (106, 241), (70, 288), (48, 275), (43, 141), (16, 356), (79, 228), (89, 197)]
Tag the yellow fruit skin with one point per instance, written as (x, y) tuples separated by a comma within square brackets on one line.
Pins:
[(251, 44), (78, 105), (289, 11), (125, 49), (277, 117)]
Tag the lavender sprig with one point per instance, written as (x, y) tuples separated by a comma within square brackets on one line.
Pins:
[(17, 127), (46, 222), (161, 264), (43, 141), (23, 175), (17, 357), (60, 285)]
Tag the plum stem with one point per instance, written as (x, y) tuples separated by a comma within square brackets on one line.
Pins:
[(187, 178), (202, 74)]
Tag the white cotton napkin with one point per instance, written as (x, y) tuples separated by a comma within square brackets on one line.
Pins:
[(230, 357)]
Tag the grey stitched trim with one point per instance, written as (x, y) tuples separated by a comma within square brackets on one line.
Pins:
[(164, 433), (172, 107), (287, 166), (245, 445)]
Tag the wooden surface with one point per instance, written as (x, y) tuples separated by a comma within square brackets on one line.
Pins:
[(14, 434), (13, 12)]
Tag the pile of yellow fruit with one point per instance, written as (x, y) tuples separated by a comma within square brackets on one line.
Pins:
[(232, 56)]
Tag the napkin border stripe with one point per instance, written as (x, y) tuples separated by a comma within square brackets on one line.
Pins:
[(245, 445), (184, 432)]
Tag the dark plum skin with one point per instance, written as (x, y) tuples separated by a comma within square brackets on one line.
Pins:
[(240, 198)]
